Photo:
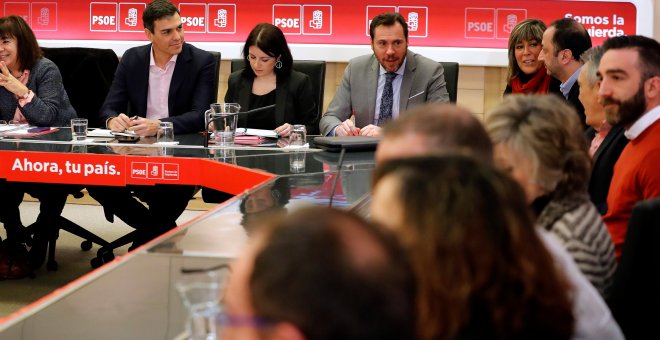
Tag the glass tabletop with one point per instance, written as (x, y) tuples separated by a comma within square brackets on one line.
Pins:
[(132, 297)]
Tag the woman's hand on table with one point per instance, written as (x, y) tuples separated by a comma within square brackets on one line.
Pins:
[(284, 130)]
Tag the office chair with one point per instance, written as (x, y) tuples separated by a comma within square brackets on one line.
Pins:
[(451, 78), (315, 69), (216, 80), (634, 298), (87, 74)]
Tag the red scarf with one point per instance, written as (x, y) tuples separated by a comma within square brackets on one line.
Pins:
[(539, 83)]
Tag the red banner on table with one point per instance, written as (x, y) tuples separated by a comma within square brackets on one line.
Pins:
[(69, 168), (458, 23), (120, 170)]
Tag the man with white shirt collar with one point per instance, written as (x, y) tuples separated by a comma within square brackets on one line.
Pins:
[(167, 80), (563, 43), (377, 87), (630, 93), (607, 141)]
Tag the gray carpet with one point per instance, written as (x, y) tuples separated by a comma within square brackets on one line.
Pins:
[(73, 262)]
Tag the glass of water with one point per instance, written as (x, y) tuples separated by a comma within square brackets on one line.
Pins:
[(79, 128), (200, 294), (165, 133), (298, 135)]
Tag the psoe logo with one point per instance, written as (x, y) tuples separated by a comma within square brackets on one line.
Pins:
[(139, 170)]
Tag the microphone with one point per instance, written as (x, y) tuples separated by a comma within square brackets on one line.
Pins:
[(340, 164), (259, 109)]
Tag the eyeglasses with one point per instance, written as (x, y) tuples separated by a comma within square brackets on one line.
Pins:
[(223, 319), (11, 122), (11, 125)]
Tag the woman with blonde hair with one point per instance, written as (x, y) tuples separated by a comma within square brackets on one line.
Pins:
[(538, 140), (527, 74)]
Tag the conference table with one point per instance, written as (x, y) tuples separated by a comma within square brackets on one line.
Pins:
[(133, 296)]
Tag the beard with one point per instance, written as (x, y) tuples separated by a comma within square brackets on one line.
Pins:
[(625, 112)]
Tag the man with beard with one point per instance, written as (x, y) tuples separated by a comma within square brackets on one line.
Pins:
[(377, 87), (630, 94)]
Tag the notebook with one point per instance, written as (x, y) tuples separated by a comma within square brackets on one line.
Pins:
[(350, 143)]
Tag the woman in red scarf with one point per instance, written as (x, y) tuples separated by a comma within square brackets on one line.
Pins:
[(526, 73)]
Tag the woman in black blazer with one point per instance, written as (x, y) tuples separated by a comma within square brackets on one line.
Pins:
[(270, 80)]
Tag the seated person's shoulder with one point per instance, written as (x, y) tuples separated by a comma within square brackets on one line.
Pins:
[(298, 76), (425, 62), (196, 51)]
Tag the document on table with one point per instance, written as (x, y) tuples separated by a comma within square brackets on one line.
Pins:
[(24, 130), (100, 133), (257, 132), (105, 133)]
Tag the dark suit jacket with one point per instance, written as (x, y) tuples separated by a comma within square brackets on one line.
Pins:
[(603, 167), (191, 89), (294, 103), (575, 101)]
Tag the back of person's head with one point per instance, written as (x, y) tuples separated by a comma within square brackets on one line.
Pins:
[(438, 128), (157, 10), (648, 50), (526, 30), (333, 276), (270, 39), (482, 270), (547, 131), (570, 35), (388, 19), (591, 57), (27, 47)]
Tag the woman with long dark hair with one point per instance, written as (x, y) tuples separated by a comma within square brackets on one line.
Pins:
[(269, 79)]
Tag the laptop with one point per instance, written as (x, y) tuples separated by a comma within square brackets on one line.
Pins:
[(350, 143)]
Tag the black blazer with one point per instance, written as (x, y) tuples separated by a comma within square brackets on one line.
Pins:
[(603, 167), (575, 101), (294, 100), (191, 89)]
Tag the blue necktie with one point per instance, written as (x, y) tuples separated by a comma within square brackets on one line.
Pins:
[(386, 100)]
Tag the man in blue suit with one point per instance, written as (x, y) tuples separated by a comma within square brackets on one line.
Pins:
[(165, 81)]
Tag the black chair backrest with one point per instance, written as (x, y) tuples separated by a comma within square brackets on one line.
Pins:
[(634, 298), (451, 77), (87, 74), (216, 80), (315, 69)]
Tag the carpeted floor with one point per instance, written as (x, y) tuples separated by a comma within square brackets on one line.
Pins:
[(72, 261)]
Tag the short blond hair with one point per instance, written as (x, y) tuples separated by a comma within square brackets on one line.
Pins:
[(547, 131)]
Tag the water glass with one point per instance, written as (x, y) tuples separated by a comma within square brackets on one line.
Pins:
[(224, 155), (165, 133), (79, 128), (200, 294), (297, 161), (298, 135)]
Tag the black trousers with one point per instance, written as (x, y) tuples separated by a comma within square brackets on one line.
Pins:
[(52, 198), (164, 204)]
